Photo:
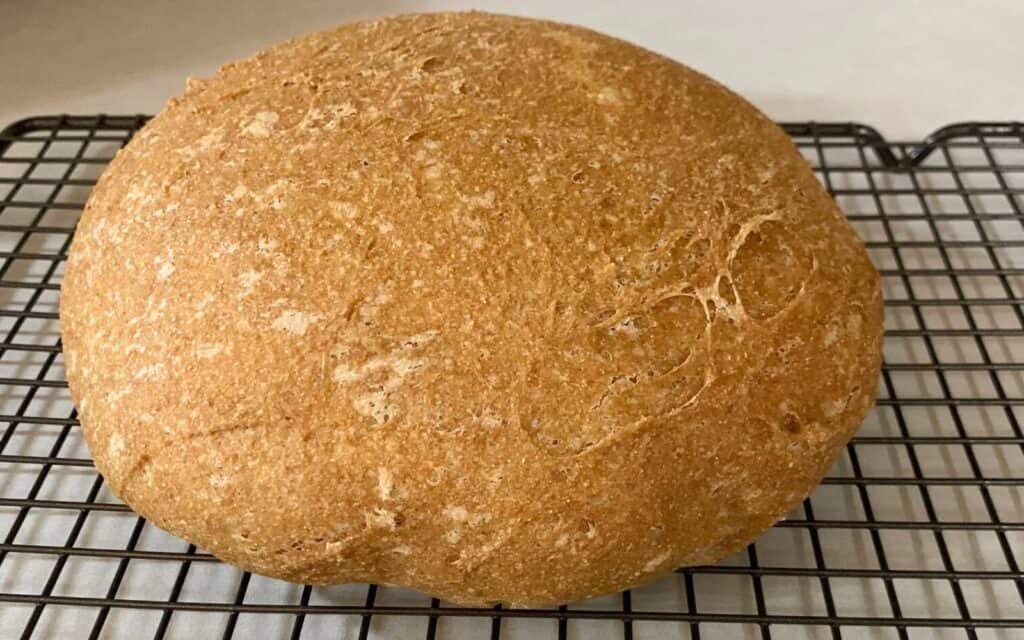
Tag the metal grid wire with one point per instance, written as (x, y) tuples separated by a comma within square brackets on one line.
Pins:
[(918, 531)]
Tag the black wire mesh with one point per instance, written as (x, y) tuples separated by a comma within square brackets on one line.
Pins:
[(917, 532)]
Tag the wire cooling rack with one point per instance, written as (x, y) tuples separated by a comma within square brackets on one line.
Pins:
[(918, 532)]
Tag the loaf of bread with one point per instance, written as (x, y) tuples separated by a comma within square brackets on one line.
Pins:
[(499, 309)]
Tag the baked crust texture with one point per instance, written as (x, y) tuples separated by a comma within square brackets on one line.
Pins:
[(499, 309)]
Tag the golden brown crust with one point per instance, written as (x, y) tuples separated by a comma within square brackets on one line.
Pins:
[(499, 309)]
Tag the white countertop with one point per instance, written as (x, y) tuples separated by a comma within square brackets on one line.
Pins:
[(904, 67)]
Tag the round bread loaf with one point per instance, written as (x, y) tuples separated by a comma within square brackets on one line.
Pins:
[(499, 309)]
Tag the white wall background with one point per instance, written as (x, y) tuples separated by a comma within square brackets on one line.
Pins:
[(904, 66)]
